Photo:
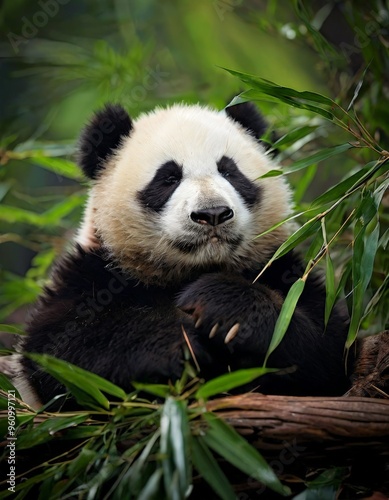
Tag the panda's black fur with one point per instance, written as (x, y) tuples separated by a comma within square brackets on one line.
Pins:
[(99, 315)]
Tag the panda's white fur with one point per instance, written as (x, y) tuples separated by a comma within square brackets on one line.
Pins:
[(195, 137)]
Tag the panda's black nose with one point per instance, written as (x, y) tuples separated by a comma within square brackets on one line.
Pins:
[(212, 216)]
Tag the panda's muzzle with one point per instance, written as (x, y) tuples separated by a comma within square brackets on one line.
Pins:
[(212, 216)]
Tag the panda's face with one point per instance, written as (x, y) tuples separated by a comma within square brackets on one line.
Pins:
[(183, 192)]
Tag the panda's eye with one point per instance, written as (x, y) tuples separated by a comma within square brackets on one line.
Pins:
[(172, 179), (226, 167)]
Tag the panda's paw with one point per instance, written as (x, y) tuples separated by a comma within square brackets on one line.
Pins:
[(222, 311)]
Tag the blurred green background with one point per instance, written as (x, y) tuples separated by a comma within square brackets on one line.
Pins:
[(63, 59)]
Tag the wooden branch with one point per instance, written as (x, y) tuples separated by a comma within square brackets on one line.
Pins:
[(319, 425)]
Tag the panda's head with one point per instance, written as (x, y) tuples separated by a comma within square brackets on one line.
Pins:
[(179, 191)]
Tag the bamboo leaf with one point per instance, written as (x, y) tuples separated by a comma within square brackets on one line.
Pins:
[(228, 381), (309, 161), (297, 237), (329, 277), (317, 157), (134, 476), (365, 247), (236, 450), (62, 209), (339, 189), (294, 135), (15, 215), (46, 430), (59, 166), (174, 446), (330, 288), (302, 100), (79, 381), (152, 489), (51, 217), (85, 459), (6, 385), (209, 469), (285, 315), (12, 329), (160, 390), (304, 183)]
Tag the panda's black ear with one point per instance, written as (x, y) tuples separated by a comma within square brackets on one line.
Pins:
[(101, 137), (249, 117)]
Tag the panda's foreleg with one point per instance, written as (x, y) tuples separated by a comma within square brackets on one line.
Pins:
[(234, 321)]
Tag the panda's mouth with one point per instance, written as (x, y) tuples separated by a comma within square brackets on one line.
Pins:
[(190, 246)]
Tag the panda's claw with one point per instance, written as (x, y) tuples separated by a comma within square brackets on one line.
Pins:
[(199, 321), (232, 333), (214, 330)]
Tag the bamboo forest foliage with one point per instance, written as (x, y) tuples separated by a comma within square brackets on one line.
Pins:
[(332, 144)]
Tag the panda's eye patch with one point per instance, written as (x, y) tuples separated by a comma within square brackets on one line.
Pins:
[(169, 173), (161, 187), (226, 166), (247, 189)]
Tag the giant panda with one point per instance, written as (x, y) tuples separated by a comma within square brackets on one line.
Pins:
[(168, 254)]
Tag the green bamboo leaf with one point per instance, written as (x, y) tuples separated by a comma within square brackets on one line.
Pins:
[(152, 489), (14, 215), (85, 459), (79, 381), (51, 217), (365, 249), (275, 89), (62, 209), (368, 172), (302, 100), (209, 469), (6, 385), (160, 390), (134, 477), (330, 288), (317, 157), (106, 472), (166, 448), (309, 161), (329, 277), (377, 297), (357, 89), (295, 135), (83, 432), (315, 247), (46, 430), (228, 381), (174, 446), (304, 183), (335, 192), (277, 97), (285, 315), (383, 242), (59, 166), (11, 329), (236, 450), (297, 237), (272, 173)]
